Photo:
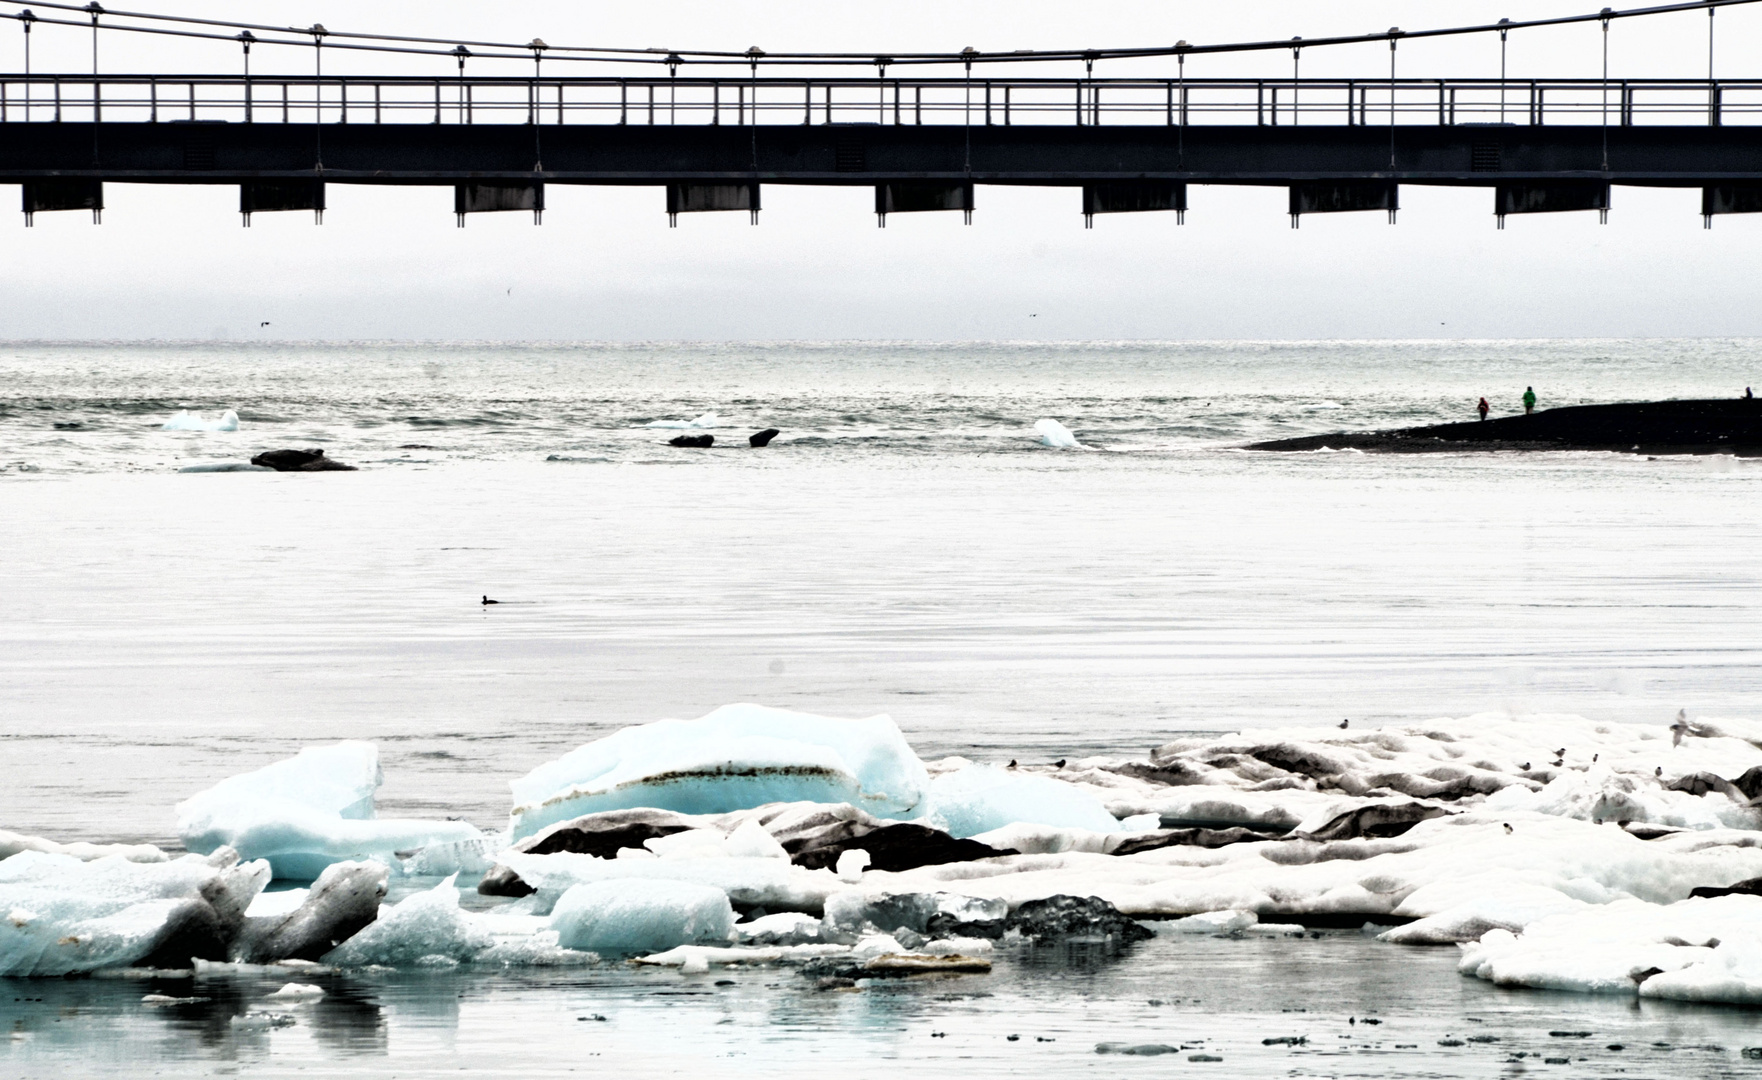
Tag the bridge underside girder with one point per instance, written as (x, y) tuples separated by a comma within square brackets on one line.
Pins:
[(843, 154)]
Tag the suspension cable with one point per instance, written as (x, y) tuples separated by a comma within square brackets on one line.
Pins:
[(431, 46)]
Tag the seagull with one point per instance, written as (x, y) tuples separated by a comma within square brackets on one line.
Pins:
[(1508, 829), (1525, 767), (1059, 764), (487, 600), (1680, 728), (1343, 723), (265, 323), (1659, 771), (1012, 764)]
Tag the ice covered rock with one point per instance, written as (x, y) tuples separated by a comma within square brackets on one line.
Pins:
[(184, 420), (342, 902), (60, 915), (1056, 918), (892, 847), (12, 843), (1377, 819), (642, 916), (306, 812), (1056, 435), (1601, 793), (980, 798), (737, 757), (601, 835), (422, 928), (932, 915)]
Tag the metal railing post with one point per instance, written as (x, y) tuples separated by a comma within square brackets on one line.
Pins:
[(1715, 103), (153, 101)]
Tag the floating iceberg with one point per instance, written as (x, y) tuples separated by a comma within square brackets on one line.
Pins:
[(426, 929), (189, 421), (707, 420), (306, 812), (637, 916), (59, 915), (739, 756), (12, 843), (1056, 435), (773, 884), (980, 798)]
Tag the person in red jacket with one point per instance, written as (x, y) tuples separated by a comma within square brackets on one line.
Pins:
[(1482, 408)]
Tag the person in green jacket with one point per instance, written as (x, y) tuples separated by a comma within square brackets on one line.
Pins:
[(1529, 400)]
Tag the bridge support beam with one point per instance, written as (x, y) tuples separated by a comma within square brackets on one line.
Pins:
[(917, 196), (1344, 196), (1134, 196), (491, 198), (1552, 197), (1729, 199), (63, 193), (710, 198), (263, 196)]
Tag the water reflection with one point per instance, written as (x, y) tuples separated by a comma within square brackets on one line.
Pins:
[(1340, 1003)]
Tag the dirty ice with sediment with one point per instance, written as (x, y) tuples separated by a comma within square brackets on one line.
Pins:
[(1158, 722)]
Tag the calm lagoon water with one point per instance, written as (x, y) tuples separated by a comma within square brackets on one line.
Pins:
[(905, 546)]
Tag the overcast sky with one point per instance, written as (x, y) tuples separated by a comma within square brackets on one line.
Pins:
[(173, 262)]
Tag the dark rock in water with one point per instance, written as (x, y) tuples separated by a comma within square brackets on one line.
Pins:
[(762, 438), (1752, 887), (692, 440), (1380, 820), (1137, 1049), (1703, 783), (894, 848), (1205, 838), (1717, 426), (343, 901), (600, 835), (1058, 917), (204, 926), (299, 461)]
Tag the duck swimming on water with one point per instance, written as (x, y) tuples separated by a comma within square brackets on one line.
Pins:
[(487, 600)]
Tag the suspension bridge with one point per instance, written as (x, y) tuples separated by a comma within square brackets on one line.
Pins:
[(713, 128)]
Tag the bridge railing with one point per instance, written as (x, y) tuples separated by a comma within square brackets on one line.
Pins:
[(975, 102)]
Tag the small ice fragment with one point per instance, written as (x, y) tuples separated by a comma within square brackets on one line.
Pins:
[(707, 420), (851, 864), (301, 992), (696, 964), (262, 1021), (1056, 435), (1212, 922), (160, 1001), (185, 420)]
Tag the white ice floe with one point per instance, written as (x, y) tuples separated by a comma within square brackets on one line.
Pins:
[(783, 928), (737, 757), (184, 420), (12, 843), (707, 420), (306, 812), (1693, 950), (773, 884), (224, 467), (642, 916), (980, 798), (698, 958), (60, 915), (1056, 435)]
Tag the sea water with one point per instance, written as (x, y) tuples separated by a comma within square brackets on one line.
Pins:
[(908, 545)]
